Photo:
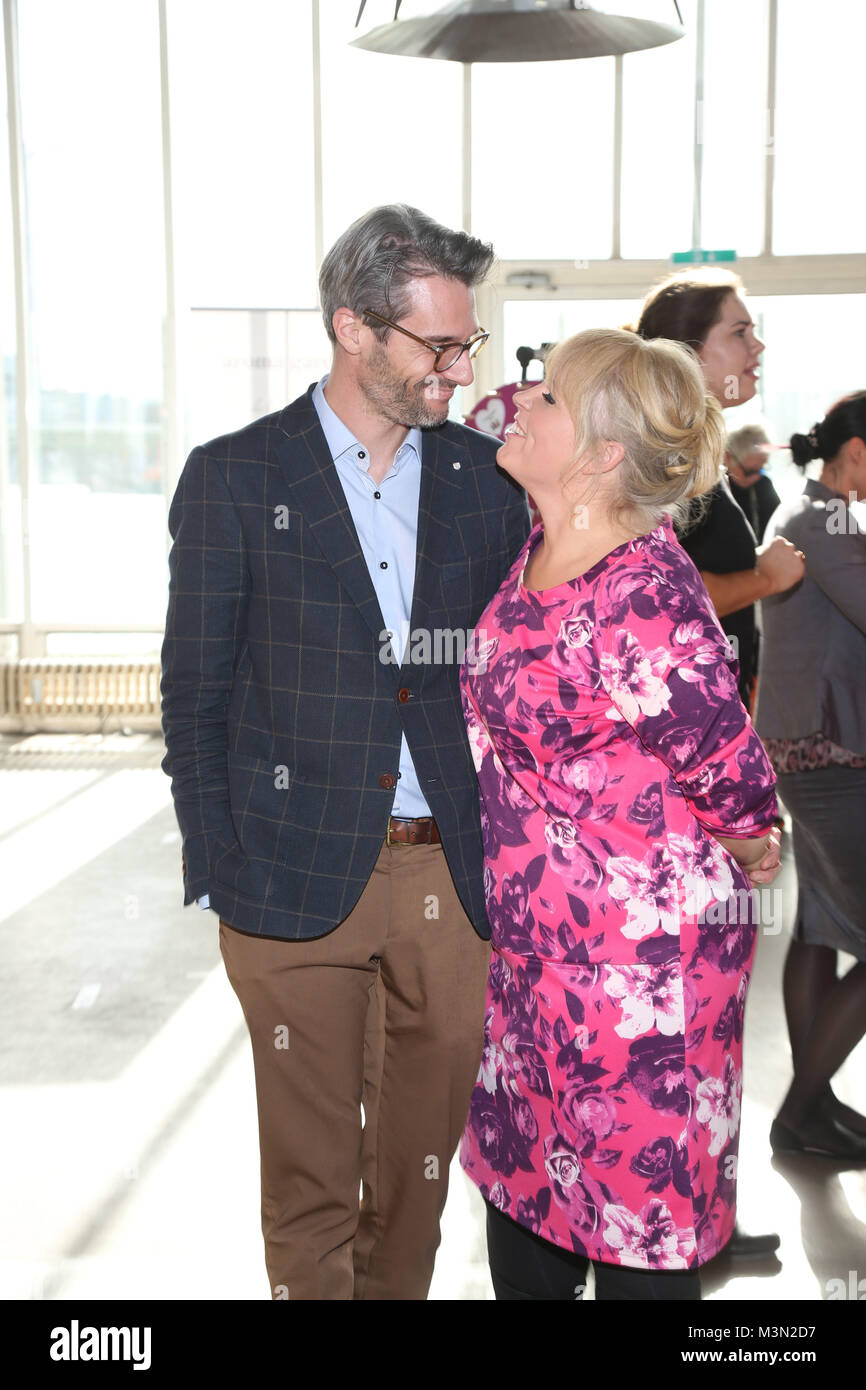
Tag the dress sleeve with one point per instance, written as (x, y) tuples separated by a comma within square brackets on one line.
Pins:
[(669, 672)]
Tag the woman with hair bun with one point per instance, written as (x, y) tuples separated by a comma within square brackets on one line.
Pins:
[(627, 807), (812, 716)]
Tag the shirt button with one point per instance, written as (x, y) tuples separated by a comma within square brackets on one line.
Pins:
[(377, 495), (361, 454), (404, 695), (387, 781), (383, 564)]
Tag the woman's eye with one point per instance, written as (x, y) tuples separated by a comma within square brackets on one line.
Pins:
[(546, 396)]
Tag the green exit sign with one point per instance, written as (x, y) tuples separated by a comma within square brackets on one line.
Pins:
[(699, 256)]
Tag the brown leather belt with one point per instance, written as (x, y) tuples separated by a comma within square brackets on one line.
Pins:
[(422, 831)]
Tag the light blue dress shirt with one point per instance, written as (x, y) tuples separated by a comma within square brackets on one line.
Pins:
[(386, 520)]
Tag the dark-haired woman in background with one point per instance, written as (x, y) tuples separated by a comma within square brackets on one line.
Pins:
[(812, 717), (705, 310)]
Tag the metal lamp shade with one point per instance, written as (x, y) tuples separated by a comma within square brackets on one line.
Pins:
[(516, 31)]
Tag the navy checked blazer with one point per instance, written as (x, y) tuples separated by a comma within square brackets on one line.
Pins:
[(282, 723)]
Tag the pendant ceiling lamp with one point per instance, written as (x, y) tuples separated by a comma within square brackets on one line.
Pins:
[(516, 31)]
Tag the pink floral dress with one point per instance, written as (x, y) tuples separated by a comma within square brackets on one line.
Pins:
[(611, 746)]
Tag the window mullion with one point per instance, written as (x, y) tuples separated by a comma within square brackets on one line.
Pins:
[(769, 141), (31, 644), (698, 152), (616, 239)]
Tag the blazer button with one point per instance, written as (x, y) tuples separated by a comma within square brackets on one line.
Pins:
[(386, 781), (404, 695)]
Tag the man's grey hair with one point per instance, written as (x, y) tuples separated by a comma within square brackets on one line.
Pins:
[(746, 440), (371, 264)]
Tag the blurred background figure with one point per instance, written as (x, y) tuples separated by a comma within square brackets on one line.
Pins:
[(812, 717), (706, 311), (748, 450)]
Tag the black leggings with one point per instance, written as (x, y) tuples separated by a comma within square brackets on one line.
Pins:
[(525, 1266)]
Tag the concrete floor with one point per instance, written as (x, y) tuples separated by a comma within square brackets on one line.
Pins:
[(129, 1168)]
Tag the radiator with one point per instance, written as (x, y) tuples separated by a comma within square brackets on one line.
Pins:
[(71, 693)]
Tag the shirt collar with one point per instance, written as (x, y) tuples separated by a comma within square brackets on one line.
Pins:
[(340, 439), (820, 490)]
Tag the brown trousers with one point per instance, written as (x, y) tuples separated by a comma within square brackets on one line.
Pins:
[(387, 1010)]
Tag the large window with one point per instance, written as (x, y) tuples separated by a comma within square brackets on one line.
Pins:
[(734, 126), (658, 143), (242, 145), (154, 323), (245, 363), (91, 133), (820, 195), (11, 532), (529, 323), (391, 127), (815, 353), (542, 158)]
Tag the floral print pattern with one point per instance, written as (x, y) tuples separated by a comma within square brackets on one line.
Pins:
[(611, 748)]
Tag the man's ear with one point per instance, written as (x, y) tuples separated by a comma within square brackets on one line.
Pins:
[(348, 329)]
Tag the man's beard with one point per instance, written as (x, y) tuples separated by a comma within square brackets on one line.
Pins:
[(398, 400)]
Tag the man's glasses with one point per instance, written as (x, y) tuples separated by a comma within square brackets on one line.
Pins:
[(446, 355)]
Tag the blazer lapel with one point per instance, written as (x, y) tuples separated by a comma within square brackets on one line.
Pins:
[(317, 492), (442, 471)]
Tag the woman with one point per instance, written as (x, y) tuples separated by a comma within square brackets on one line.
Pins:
[(812, 716), (706, 311), (625, 797)]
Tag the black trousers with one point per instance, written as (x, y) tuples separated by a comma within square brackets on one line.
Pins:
[(525, 1266)]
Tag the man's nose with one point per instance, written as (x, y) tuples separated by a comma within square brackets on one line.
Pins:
[(462, 371)]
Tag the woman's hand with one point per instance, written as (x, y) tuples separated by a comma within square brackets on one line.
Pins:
[(780, 566), (761, 859), (770, 862)]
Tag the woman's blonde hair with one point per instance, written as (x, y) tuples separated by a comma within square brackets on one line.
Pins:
[(650, 397)]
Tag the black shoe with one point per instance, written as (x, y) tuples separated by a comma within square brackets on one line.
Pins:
[(743, 1247), (834, 1142)]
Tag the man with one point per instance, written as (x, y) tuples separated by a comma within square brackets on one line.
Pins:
[(325, 560), (748, 450)]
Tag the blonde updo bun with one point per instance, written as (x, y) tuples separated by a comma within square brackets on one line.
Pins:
[(649, 396)]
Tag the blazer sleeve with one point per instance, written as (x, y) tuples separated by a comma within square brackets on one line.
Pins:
[(836, 561), (205, 628)]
